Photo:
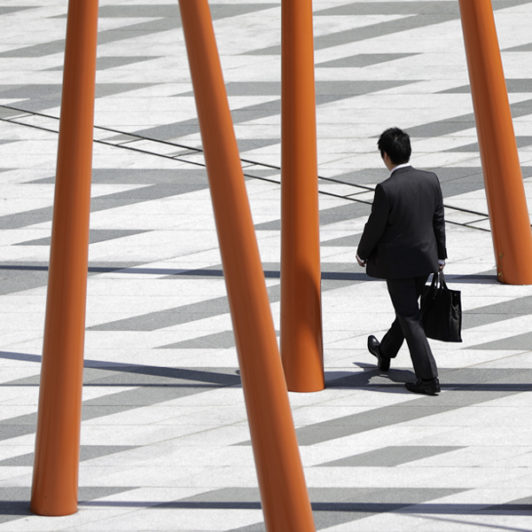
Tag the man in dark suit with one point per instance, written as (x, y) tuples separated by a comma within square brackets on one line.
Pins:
[(403, 242)]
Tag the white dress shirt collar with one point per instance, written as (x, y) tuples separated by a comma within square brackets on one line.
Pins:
[(404, 165)]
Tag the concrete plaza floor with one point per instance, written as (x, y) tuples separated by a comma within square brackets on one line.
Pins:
[(164, 437)]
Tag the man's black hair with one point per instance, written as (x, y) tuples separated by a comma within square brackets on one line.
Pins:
[(396, 143)]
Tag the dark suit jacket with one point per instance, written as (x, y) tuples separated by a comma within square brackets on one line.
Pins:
[(405, 233)]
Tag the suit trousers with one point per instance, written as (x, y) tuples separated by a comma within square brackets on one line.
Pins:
[(405, 294)]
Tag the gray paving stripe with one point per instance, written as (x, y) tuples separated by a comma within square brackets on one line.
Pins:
[(6, 112), (391, 456), (465, 387), (25, 218), (188, 180), (341, 88), (40, 96), (176, 315), (139, 11), (15, 501), (364, 176), (100, 203), (14, 280), (362, 60), (343, 241), (512, 85), (327, 216), (454, 180), (106, 62), (449, 7), (522, 48), (170, 11), (518, 342), (4, 10), (168, 20), (462, 122), (266, 109), (522, 141), (87, 452), (221, 340), (334, 275), (392, 8), (150, 385), (130, 31), (20, 276), (362, 33), (95, 235), (245, 145), (477, 317)]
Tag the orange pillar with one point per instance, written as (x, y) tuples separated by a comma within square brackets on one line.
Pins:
[(301, 328), (55, 473), (510, 222), (280, 474)]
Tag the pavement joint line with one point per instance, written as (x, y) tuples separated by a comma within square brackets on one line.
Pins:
[(126, 145)]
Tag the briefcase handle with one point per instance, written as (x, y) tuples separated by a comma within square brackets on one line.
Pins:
[(438, 281)]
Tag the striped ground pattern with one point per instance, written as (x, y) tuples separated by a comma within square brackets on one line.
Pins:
[(164, 440)]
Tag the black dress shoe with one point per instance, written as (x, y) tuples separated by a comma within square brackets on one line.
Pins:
[(430, 387), (383, 362)]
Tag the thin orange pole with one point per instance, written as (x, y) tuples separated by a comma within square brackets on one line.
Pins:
[(280, 473), (510, 222), (55, 473), (301, 326)]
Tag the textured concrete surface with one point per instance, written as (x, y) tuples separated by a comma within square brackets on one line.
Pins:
[(165, 441)]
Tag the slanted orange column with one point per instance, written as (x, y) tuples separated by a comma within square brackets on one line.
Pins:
[(280, 474), (55, 474), (301, 327), (510, 222)]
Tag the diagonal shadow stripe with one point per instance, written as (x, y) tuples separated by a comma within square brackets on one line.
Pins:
[(409, 22), (99, 203), (95, 236), (87, 452), (391, 456), (23, 276), (162, 18), (271, 108), (177, 315), (518, 342), (150, 385), (520, 306), (38, 97), (460, 122), (415, 15), (467, 387), (512, 85)]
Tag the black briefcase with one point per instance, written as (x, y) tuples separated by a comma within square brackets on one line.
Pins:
[(441, 310)]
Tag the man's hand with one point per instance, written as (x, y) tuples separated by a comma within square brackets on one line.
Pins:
[(442, 265), (361, 262)]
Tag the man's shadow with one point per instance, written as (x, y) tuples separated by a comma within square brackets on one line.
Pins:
[(369, 377)]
